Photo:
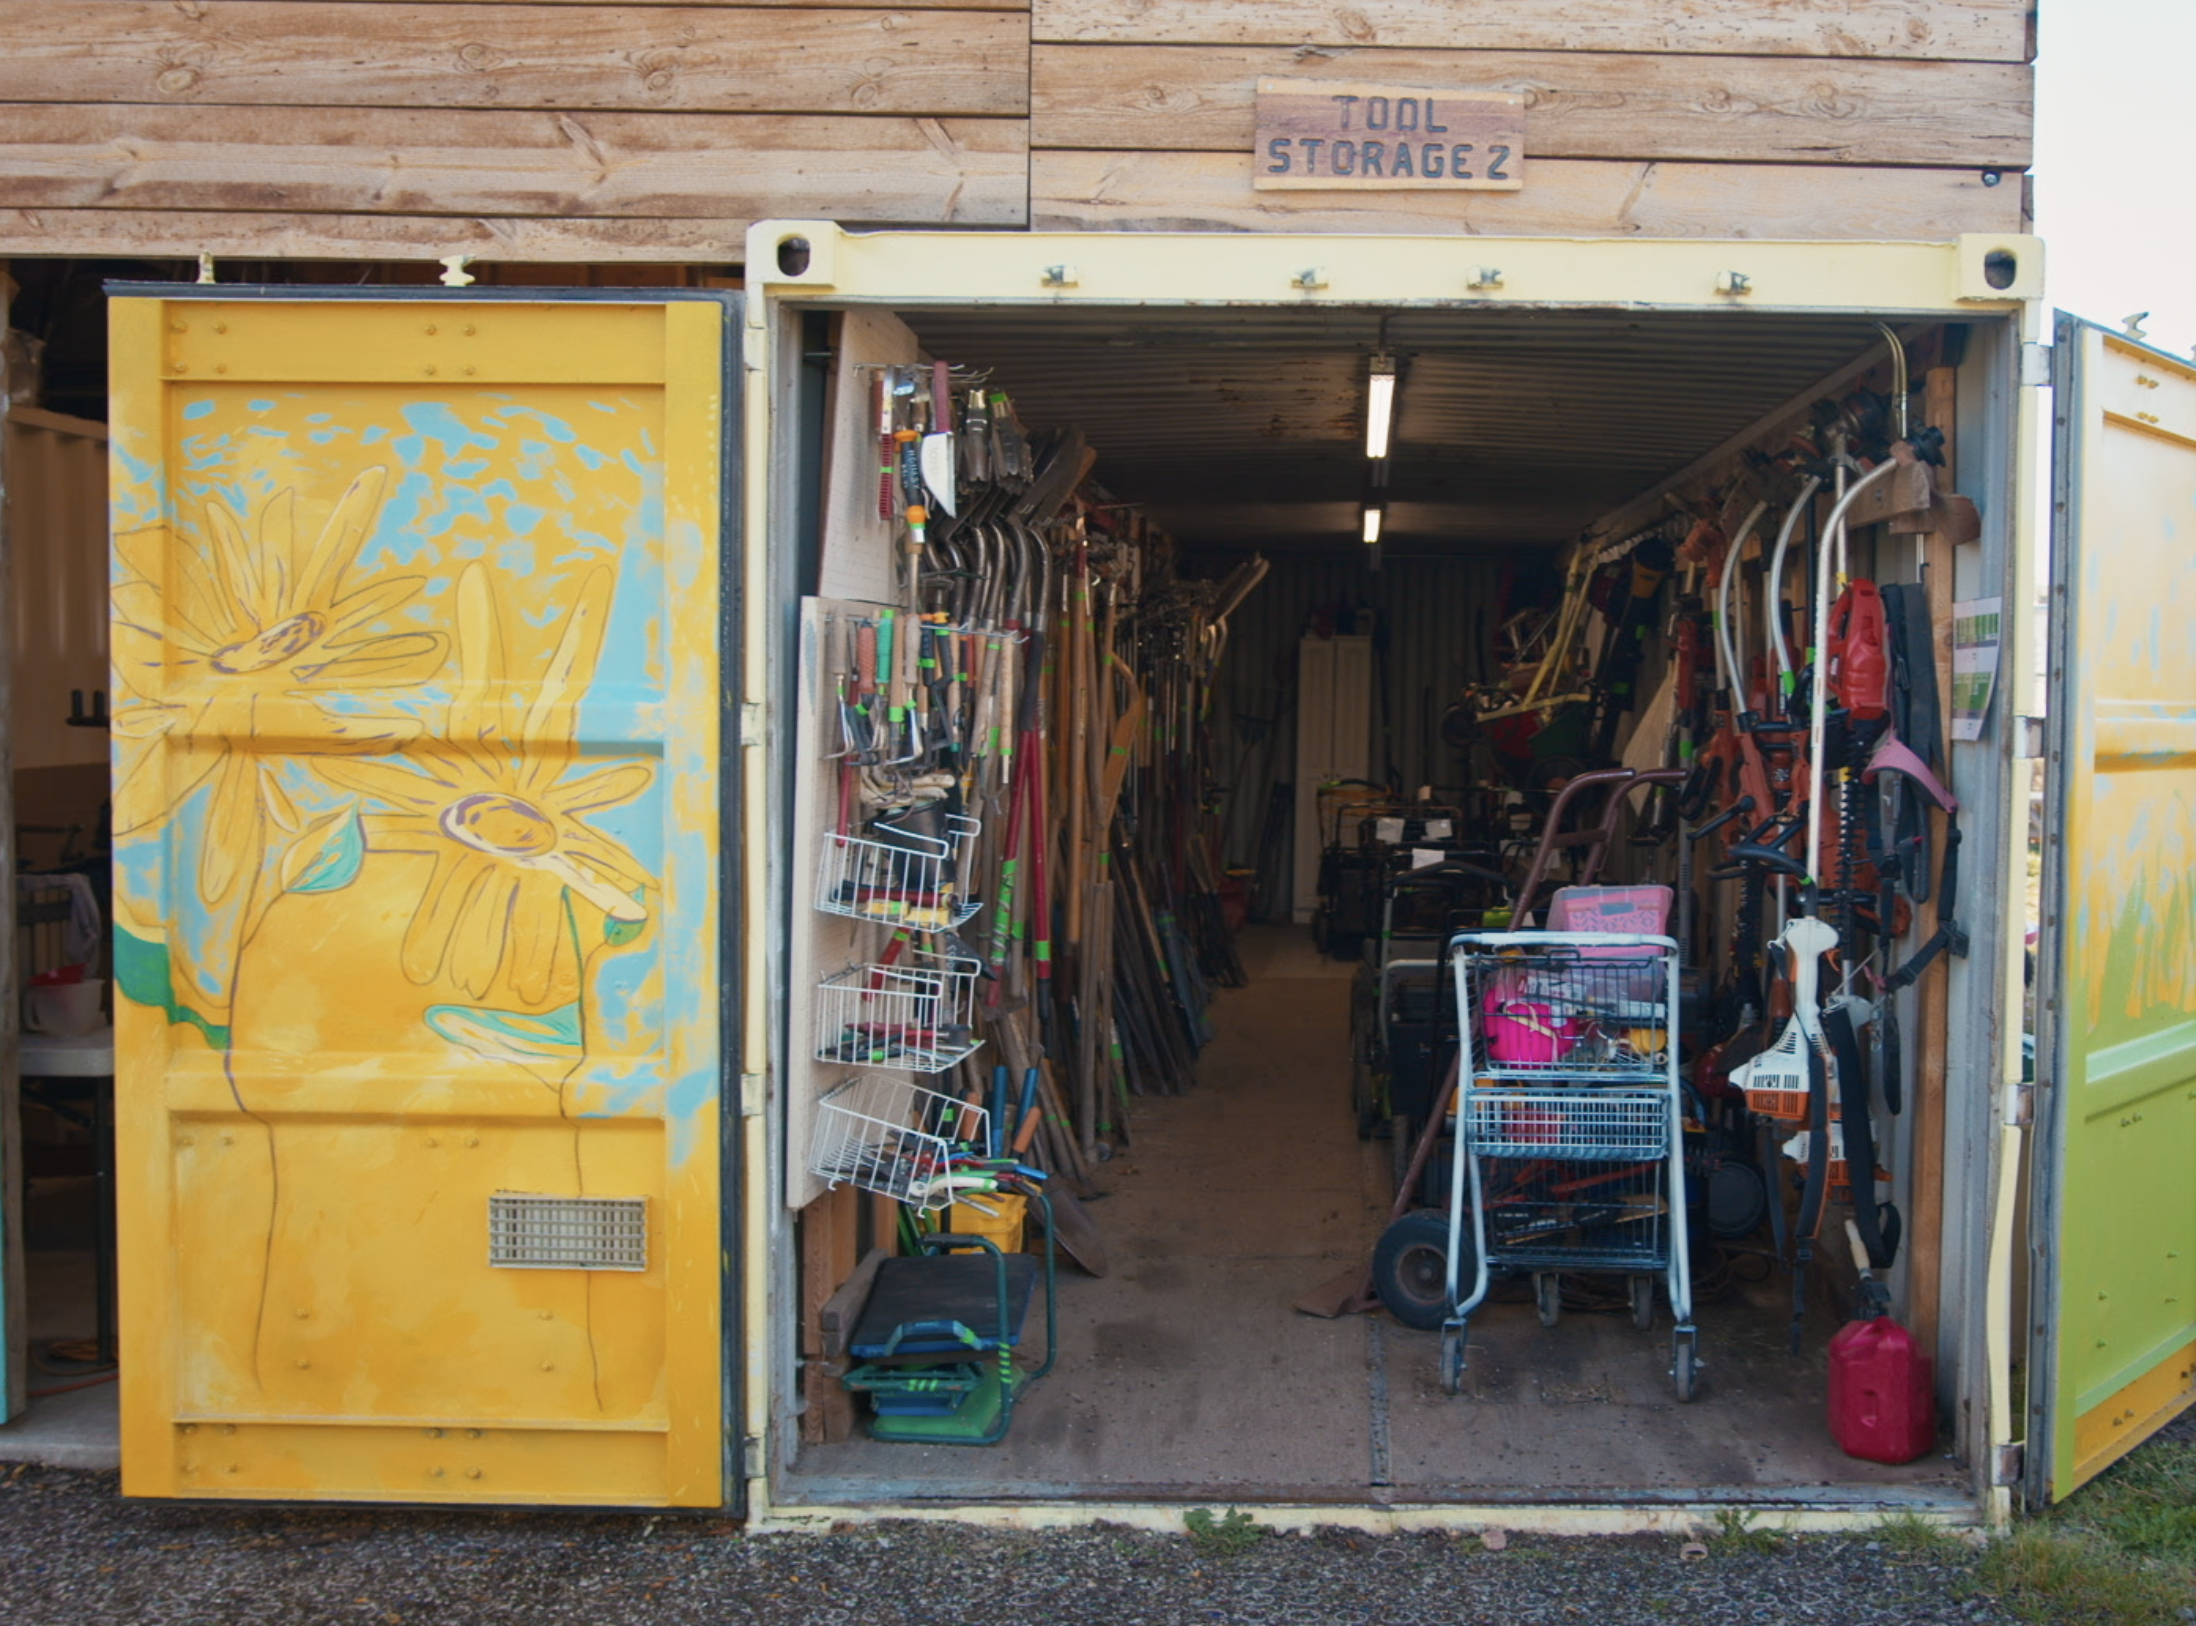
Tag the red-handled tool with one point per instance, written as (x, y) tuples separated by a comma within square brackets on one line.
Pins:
[(887, 447)]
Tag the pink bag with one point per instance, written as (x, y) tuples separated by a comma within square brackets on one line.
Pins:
[(1523, 1032)]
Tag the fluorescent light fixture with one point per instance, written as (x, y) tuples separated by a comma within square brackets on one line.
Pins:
[(1379, 405), (1373, 517)]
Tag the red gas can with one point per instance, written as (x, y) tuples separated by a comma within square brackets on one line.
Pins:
[(1882, 1392)]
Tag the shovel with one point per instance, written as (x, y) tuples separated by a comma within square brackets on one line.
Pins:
[(937, 450)]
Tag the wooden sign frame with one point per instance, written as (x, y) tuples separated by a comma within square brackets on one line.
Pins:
[(1355, 136)]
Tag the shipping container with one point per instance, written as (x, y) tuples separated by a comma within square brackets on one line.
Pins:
[(582, 784), (468, 956)]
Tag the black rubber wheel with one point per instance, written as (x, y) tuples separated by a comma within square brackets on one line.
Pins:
[(1684, 1367), (1365, 1057), (1452, 1360), (1364, 1088), (1548, 1296), (1410, 1268), (1643, 1302), (1737, 1200)]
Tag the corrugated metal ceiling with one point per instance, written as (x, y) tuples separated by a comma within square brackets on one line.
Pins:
[(1243, 427)]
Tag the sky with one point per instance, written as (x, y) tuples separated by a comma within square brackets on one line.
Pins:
[(2115, 151)]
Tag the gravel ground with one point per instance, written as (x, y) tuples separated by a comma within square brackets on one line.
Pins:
[(72, 1551)]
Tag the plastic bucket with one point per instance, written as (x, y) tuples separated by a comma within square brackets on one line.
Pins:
[(1002, 1227)]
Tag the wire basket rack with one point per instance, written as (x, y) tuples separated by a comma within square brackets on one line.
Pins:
[(1589, 1125), (913, 1017), (891, 1136), (899, 875)]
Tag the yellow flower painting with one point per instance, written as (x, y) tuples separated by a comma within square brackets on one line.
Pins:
[(252, 630), (499, 799)]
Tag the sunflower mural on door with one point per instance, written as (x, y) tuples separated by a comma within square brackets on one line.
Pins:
[(212, 642), (368, 827), (301, 696), (522, 891)]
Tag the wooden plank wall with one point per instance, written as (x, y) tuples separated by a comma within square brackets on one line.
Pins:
[(508, 129), (568, 130), (1712, 118)]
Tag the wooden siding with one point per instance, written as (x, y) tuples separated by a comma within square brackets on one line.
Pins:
[(1193, 191), (1706, 118), (266, 128), (1967, 30), (571, 130), (701, 59), (1578, 104), (415, 161)]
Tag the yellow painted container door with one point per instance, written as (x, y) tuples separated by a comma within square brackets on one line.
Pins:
[(2113, 1329), (416, 753)]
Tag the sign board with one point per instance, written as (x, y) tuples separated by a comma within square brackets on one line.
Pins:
[(1333, 136)]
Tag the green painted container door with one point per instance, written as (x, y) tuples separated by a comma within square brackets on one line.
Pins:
[(416, 619), (2113, 1294)]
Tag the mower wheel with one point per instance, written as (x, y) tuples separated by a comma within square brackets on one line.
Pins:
[(1411, 1268)]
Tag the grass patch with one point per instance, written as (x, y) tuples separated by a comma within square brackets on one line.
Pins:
[(2119, 1552), (1226, 1537), (2071, 1579), (1915, 1536)]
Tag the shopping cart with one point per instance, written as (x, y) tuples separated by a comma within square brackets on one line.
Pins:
[(1569, 1143)]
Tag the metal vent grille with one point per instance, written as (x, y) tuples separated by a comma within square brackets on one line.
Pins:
[(527, 1232)]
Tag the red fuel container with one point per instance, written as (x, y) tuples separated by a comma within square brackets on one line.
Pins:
[(1883, 1404)]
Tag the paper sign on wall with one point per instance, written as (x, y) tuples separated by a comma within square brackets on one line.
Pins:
[(1976, 626)]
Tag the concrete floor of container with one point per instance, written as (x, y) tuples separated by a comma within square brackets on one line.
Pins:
[(74, 1419), (1185, 1374)]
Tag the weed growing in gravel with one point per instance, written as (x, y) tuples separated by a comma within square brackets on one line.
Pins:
[(1736, 1532), (1226, 1537)]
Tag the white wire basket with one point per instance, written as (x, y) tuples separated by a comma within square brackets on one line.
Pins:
[(893, 1137), (1591, 1125), (901, 877), (913, 1018)]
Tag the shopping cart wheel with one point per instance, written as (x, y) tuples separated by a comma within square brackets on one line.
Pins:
[(1643, 1302), (1548, 1296), (1452, 1360), (1684, 1365), (1411, 1268)]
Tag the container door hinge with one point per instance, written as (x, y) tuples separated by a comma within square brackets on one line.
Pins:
[(751, 723), (2020, 1105), (2009, 1465), (752, 1461), (751, 1095), (2036, 368)]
